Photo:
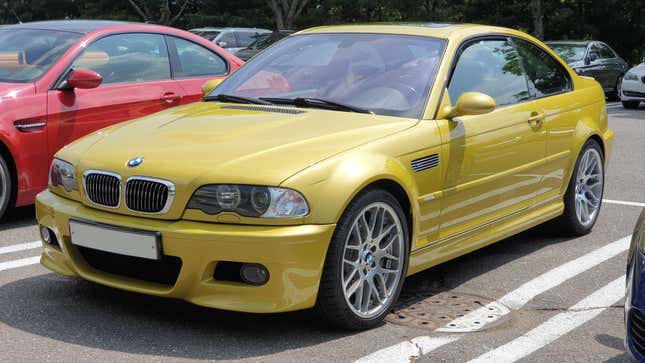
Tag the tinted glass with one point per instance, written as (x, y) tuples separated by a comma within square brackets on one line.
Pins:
[(229, 39), (127, 58), (492, 67), (570, 52), (25, 54), (605, 52), (195, 60), (387, 74), (546, 76), (244, 39)]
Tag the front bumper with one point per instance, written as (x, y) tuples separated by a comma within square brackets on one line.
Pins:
[(632, 90), (294, 256)]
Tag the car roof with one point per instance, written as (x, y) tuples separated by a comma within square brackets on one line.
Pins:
[(229, 29), (75, 26), (569, 42), (437, 30)]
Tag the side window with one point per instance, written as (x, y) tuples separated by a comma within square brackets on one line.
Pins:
[(605, 52), (195, 60), (492, 67), (227, 40), (594, 52), (127, 58), (546, 75), (244, 39)]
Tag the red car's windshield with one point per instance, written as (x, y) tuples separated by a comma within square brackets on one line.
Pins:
[(383, 73), (26, 54)]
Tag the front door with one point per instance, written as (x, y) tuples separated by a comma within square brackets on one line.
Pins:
[(136, 82), (492, 161)]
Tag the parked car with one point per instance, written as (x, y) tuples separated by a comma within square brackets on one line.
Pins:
[(336, 163), (231, 39), (633, 87), (262, 41), (60, 80), (635, 293), (593, 59)]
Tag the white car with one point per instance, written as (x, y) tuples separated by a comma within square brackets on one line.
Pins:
[(633, 87), (231, 39)]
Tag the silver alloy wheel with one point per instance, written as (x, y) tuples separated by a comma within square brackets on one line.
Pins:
[(589, 186), (373, 260)]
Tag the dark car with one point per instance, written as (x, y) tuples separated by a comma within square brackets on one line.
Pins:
[(594, 59), (635, 293), (262, 41)]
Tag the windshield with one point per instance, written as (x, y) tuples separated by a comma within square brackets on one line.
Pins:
[(570, 52), (26, 54), (385, 74)]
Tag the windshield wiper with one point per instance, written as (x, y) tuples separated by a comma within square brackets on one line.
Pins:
[(317, 103), (236, 99)]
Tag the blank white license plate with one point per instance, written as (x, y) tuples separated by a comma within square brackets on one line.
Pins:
[(116, 240)]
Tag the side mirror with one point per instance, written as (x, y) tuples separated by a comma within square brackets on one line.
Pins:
[(209, 86), (84, 79), (222, 44), (472, 103)]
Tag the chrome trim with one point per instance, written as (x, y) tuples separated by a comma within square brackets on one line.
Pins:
[(29, 126), (168, 184), (425, 163), (109, 173)]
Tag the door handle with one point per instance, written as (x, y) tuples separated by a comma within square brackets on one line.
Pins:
[(536, 119), (170, 98)]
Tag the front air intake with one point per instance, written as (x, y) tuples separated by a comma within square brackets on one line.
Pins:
[(147, 195)]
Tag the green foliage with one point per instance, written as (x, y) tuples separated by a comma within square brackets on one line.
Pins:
[(621, 23)]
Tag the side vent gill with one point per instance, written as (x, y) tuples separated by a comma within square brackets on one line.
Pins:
[(265, 109), (425, 163)]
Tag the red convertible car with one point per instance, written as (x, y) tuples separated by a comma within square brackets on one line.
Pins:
[(60, 80)]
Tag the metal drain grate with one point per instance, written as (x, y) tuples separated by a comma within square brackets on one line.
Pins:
[(448, 312)]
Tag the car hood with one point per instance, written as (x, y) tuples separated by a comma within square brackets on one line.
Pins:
[(229, 143), (639, 69)]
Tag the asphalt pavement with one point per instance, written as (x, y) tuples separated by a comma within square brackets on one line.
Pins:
[(552, 299)]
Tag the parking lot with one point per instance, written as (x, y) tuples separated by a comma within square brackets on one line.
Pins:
[(563, 295)]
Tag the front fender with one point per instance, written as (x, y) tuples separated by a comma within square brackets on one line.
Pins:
[(331, 185)]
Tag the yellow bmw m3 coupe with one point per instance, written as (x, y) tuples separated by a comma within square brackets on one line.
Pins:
[(330, 167)]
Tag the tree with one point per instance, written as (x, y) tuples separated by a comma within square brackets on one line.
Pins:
[(159, 11), (286, 11), (538, 18)]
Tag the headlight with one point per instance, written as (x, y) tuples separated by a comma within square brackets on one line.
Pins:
[(62, 173), (249, 201), (630, 76)]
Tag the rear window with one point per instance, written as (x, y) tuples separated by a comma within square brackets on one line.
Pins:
[(26, 54)]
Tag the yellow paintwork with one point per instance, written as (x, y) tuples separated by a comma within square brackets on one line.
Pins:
[(497, 176)]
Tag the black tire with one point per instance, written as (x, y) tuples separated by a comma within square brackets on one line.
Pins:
[(631, 104), (6, 188), (568, 223), (615, 95), (331, 304)]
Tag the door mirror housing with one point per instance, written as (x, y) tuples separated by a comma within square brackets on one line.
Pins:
[(222, 44), (593, 56), (209, 86), (472, 103), (83, 79)]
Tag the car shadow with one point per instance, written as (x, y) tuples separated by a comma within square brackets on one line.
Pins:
[(19, 217), (82, 313)]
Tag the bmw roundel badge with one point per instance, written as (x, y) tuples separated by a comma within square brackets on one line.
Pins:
[(134, 162)]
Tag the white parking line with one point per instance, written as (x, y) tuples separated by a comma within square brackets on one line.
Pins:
[(19, 263), (514, 299), (559, 325), (621, 202), (20, 247), (405, 352)]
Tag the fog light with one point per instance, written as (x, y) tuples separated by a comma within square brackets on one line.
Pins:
[(45, 235), (254, 274)]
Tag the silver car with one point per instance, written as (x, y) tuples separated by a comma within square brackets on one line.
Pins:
[(231, 39)]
